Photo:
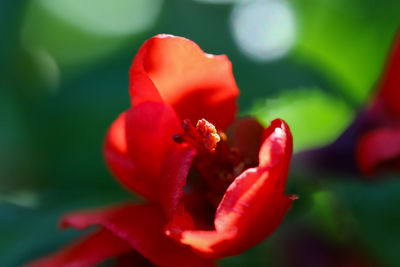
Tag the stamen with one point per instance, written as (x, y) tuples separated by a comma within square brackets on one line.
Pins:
[(209, 133), (203, 137), (216, 163)]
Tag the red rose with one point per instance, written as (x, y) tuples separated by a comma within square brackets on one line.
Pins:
[(207, 194)]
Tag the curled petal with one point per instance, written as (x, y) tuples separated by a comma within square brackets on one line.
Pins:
[(175, 70), (276, 151), (141, 227), (377, 149), (87, 251), (254, 204), (390, 83), (138, 143)]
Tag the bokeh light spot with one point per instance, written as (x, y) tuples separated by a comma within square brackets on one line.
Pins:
[(264, 29), (27, 199), (47, 68), (106, 17), (222, 1)]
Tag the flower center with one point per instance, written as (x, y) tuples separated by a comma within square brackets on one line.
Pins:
[(216, 164)]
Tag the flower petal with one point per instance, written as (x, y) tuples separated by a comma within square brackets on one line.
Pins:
[(245, 134), (390, 83), (173, 177), (87, 251), (142, 227), (254, 204), (138, 143), (276, 151), (378, 148), (175, 70), (132, 258)]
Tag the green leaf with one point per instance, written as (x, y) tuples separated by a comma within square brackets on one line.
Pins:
[(315, 118), (374, 209), (79, 33), (31, 232), (349, 40)]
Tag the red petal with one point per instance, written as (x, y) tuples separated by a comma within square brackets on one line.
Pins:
[(254, 204), (276, 151), (142, 227), (138, 143), (390, 84), (87, 251), (132, 259), (175, 70), (246, 135), (378, 148), (173, 178)]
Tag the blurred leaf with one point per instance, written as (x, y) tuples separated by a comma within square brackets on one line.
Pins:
[(103, 17), (10, 12), (39, 70), (315, 118), (56, 28), (28, 233), (16, 154), (374, 207), (328, 217), (23, 198), (348, 39), (264, 254), (220, 1), (260, 255)]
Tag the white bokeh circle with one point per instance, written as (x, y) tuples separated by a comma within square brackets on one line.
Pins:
[(264, 29)]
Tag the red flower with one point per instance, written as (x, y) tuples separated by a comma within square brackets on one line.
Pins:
[(379, 147), (372, 142), (208, 194)]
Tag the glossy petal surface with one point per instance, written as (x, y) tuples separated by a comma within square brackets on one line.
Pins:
[(87, 251), (138, 143), (142, 227), (175, 70)]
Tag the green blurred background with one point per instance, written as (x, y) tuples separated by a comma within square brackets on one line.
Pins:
[(64, 79)]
